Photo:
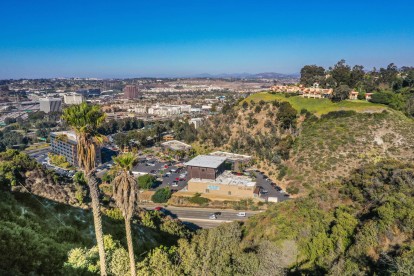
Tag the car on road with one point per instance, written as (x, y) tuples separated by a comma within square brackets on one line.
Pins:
[(158, 208), (212, 216), (217, 213), (241, 214), (174, 184), (263, 191)]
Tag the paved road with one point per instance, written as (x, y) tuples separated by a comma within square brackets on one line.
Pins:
[(200, 216)]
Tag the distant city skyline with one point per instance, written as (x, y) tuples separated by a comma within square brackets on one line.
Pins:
[(107, 39)]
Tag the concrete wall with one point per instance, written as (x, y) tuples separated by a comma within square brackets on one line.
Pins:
[(220, 189)]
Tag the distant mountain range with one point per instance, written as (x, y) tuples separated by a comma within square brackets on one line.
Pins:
[(266, 75)]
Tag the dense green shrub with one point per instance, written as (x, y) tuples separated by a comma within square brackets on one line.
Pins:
[(161, 195)]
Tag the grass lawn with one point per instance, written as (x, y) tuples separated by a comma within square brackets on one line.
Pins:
[(318, 106)]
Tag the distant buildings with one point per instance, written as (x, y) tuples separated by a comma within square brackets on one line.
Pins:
[(89, 93), (131, 92), (48, 105), (73, 99), (167, 110), (313, 92), (65, 143)]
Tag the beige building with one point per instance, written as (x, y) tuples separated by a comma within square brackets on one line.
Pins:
[(226, 184)]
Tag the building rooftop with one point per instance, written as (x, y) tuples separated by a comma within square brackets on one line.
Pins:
[(70, 134), (227, 178), (231, 156), (206, 161), (176, 145)]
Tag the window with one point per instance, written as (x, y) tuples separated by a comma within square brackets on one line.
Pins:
[(207, 190), (229, 192)]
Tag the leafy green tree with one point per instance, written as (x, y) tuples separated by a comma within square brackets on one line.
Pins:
[(341, 93), (85, 119), (341, 73), (310, 74)]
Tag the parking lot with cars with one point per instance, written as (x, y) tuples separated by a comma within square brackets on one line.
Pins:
[(269, 188), (168, 174)]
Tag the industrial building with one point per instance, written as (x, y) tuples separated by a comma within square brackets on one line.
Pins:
[(65, 143), (48, 105)]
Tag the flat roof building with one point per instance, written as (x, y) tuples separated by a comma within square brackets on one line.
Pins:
[(48, 105), (226, 184), (176, 145), (73, 99)]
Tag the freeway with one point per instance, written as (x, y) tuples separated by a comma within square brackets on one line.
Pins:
[(200, 216)]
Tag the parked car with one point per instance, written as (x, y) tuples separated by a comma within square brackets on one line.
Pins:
[(264, 191), (241, 214), (158, 208), (174, 184)]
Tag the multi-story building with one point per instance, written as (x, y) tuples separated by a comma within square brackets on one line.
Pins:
[(65, 143), (48, 105), (73, 99), (131, 92)]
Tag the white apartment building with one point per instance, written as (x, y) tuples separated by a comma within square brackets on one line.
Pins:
[(48, 105), (73, 99)]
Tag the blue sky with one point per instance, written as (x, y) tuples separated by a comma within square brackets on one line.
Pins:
[(91, 38)]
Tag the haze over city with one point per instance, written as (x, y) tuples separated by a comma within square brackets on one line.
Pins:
[(108, 39), (231, 137)]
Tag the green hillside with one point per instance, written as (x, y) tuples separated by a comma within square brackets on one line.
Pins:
[(318, 106)]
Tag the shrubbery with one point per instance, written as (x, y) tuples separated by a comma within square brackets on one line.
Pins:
[(161, 195)]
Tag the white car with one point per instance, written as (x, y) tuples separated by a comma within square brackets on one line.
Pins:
[(241, 214), (212, 216)]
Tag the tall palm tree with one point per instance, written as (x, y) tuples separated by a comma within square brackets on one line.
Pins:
[(85, 119), (126, 196)]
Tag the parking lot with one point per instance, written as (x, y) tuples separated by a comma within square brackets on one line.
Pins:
[(168, 174), (268, 189)]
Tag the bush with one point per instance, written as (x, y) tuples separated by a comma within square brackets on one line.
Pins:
[(161, 195), (146, 181), (198, 199)]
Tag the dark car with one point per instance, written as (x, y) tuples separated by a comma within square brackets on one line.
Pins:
[(278, 188), (217, 213)]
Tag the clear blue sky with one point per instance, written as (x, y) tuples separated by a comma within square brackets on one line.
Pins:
[(46, 38)]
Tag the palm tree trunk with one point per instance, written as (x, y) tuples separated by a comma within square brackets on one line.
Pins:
[(97, 220), (130, 246)]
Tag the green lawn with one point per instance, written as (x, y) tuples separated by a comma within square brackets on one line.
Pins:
[(318, 106)]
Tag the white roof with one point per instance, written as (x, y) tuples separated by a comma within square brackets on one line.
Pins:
[(206, 161)]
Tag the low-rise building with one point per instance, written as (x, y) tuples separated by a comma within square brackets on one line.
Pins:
[(226, 184), (176, 145)]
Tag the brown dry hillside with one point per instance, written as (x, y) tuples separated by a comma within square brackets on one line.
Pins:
[(313, 149)]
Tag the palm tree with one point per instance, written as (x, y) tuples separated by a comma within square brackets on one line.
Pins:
[(126, 196), (85, 119)]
